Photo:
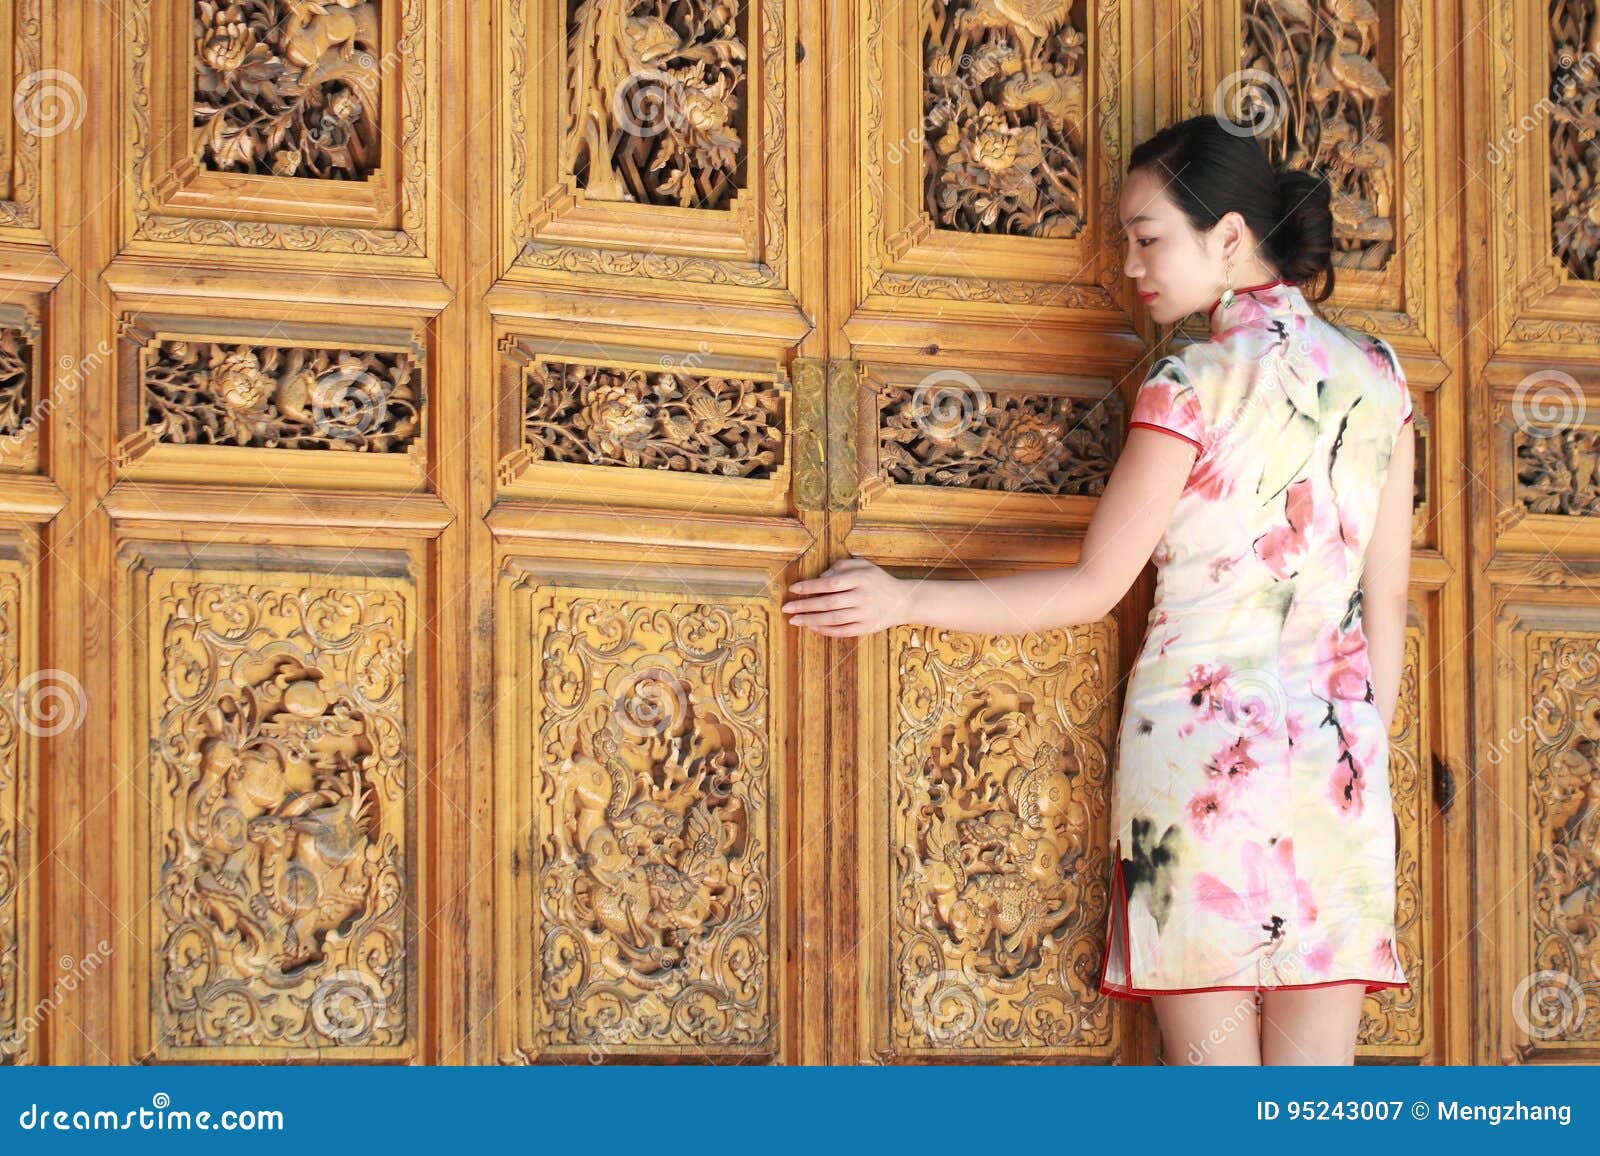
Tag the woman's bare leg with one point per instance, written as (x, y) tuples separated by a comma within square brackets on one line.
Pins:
[(1209, 1028), (1311, 1025)]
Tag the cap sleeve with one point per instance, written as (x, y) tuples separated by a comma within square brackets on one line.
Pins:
[(1167, 401), (1398, 371)]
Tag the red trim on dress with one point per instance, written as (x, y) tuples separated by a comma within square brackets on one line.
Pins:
[(1119, 902), (1409, 416), (1248, 289), (1165, 430)]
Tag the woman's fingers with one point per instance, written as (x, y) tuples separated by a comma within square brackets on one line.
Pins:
[(827, 618), (822, 602), (823, 584), (813, 614)]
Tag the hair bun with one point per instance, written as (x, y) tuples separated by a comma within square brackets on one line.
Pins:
[(1302, 244)]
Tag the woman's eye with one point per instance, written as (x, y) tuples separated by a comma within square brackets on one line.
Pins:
[(1145, 242)]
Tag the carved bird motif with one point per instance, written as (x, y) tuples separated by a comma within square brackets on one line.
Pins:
[(1028, 20)]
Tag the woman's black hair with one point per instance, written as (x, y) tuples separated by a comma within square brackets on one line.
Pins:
[(1211, 166)]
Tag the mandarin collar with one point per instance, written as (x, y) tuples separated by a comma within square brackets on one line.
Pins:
[(1258, 305)]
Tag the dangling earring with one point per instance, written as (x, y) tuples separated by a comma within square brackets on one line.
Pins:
[(1227, 282)]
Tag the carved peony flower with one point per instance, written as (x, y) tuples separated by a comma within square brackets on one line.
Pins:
[(237, 381), (995, 145), (226, 44), (619, 420)]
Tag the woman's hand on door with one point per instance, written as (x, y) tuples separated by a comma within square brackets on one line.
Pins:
[(851, 597)]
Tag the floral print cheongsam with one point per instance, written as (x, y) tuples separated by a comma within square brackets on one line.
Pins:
[(1251, 811)]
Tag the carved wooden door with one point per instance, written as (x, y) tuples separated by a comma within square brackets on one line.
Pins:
[(985, 350), (415, 411)]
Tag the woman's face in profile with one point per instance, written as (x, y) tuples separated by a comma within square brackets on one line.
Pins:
[(1167, 257)]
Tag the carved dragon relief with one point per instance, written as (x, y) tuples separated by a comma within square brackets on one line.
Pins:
[(280, 741), (997, 772), (656, 96), (654, 863), (1564, 811), (1335, 112)]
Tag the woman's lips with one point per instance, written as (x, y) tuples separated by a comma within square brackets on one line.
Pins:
[(1147, 297)]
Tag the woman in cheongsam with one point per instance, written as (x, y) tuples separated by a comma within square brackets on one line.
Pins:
[(1268, 475)]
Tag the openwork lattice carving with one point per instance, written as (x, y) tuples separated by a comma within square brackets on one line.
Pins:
[(212, 393), (1004, 100), (659, 419), (1564, 679), (654, 864), (16, 379), (656, 100), (1333, 112), (1558, 472), (974, 439), (280, 739), (997, 776), (1575, 135), (288, 87)]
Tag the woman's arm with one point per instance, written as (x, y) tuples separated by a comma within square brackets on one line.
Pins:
[(1386, 577), (855, 596)]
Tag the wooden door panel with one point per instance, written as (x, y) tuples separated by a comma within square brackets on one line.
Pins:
[(283, 131), (985, 778), (1543, 820), (1532, 416), (987, 364), (646, 745), (42, 697), (275, 861), (41, 703), (658, 475)]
